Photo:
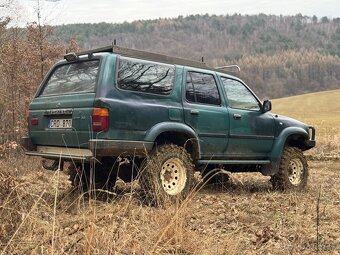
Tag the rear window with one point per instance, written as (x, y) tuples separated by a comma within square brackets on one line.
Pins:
[(76, 77)]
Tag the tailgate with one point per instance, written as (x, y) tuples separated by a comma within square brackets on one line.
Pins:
[(60, 114)]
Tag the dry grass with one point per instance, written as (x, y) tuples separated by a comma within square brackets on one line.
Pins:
[(41, 214)]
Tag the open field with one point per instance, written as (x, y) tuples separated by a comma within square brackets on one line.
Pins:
[(40, 213)]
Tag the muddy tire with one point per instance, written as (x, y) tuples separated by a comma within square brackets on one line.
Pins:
[(167, 175), (293, 171), (86, 177)]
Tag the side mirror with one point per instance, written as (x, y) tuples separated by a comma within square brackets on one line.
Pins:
[(267, 106)]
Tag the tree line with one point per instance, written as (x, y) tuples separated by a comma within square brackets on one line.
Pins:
[(25, 57), (278, 55)]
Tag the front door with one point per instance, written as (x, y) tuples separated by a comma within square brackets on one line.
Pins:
[(204, 112), (251, 131)]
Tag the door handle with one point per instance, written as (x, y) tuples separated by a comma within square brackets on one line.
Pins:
[(194, 112), (237, 116)]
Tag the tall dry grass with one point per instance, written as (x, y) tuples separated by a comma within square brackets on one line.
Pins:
[(40, 213)]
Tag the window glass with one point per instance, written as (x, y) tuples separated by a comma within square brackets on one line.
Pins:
[(202, 88), (76, 77), (239, 96), (144, 76)]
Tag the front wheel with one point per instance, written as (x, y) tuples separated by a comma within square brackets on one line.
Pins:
[(293, 171), (167, 175)]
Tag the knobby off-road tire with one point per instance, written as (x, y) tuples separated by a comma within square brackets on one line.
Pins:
[(293, 171), (86, 177), (167, 175)]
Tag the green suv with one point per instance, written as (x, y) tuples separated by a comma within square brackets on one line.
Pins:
[(121, 112)]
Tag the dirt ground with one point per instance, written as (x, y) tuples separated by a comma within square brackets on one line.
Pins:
[(40, 213)]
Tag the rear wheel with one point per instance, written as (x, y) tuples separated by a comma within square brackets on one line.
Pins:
[(167, 175), (293, 171)]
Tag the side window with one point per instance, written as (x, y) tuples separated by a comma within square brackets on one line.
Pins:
[(239, 96), (145, 76), (202, 88)]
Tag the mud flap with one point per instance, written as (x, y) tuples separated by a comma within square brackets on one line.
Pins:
[(270, 169)]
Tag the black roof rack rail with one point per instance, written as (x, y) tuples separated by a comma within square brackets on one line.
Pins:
[(127, 52)]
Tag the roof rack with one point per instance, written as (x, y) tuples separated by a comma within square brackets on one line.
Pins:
[(146, 56), (127, 52)]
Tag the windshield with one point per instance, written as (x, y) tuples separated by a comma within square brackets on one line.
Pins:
[(77, 77)]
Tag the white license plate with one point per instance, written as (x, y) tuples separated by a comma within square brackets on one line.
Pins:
[(60, 123)]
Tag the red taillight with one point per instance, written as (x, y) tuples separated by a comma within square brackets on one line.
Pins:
[(34, 121), (100, 119)]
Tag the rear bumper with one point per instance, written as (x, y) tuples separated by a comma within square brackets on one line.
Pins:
[(61, 153), (98, 148)]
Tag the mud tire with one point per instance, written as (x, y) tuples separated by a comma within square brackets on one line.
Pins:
[(293, 171), (167, 175)]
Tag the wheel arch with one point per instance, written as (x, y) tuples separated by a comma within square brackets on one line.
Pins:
[(176, 133), (292, 137)]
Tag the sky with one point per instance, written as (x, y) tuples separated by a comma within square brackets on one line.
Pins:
[(56, 12)]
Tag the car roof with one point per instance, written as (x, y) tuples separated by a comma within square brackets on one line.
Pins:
[(145, 55)]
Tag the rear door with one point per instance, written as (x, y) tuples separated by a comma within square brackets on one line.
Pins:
[(205, 113), (60, 114)]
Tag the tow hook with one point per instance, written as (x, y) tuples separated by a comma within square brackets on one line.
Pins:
[(52, 164)]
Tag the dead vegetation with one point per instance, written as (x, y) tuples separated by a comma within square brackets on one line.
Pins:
[(41, 214)]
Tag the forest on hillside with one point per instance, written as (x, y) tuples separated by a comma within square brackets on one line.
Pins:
[(278, 55)]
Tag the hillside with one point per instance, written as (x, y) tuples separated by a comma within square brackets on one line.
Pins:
[(226, 37), (279, 55), (321, 108)]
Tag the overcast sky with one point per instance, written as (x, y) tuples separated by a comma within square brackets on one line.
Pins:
[(117, 11)]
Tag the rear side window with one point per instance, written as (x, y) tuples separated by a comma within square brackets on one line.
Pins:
[(76, 77), (202, 88), (145, 76)]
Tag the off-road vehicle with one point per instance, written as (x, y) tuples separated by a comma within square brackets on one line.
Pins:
[(116, 111)]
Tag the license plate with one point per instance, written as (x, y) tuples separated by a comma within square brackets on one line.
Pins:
[(60, 123)]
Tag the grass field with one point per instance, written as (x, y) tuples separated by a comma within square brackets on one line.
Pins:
[(40, 213)]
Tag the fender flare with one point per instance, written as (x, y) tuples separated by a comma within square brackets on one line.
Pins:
[(278, 147), (163, 127)]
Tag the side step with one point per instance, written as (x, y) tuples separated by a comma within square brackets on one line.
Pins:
[(234, 162)]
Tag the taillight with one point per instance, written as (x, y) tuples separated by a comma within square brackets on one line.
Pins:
[(33, 121), (100, 119)]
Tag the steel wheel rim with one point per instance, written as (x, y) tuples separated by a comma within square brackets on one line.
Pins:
[(295, 171), (173, 176)]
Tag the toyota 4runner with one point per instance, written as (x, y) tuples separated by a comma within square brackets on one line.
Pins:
[(121, 112)]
